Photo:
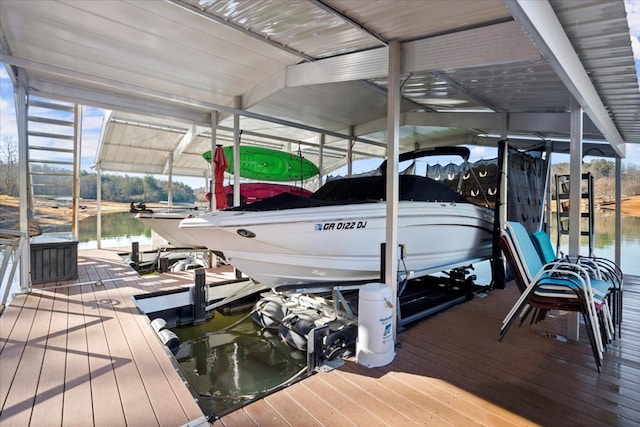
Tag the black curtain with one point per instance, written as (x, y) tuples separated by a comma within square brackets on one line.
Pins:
[(498, 276)]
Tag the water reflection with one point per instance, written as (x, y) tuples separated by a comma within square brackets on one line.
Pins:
[(604, 240), (230, 361), (114, 225), (119, 229)]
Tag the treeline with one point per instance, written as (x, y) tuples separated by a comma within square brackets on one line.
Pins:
[(603, 172), (115, 188)]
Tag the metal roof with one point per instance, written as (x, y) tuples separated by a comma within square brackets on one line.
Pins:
[(296, 69)]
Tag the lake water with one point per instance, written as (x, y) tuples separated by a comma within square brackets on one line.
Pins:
[(605, 239), (230, 361), (119, 229)]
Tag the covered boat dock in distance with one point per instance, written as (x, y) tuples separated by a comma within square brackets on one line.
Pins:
[(336, 81)]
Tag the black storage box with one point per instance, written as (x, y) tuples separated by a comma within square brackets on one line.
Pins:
[(54, 257)]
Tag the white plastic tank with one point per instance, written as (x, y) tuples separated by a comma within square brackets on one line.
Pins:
[(375, 345)]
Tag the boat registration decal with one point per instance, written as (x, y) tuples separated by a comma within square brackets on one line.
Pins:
[(346, 225)]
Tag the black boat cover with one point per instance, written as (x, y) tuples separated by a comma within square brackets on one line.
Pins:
[(365, 189)]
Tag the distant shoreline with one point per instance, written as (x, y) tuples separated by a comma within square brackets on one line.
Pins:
[(51, 212), (630, 206)]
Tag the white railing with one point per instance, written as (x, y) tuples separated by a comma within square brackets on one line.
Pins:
[(11, 244)]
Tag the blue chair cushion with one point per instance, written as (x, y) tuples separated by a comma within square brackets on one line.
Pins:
[(543, 245), (523, 244), (600, 287)]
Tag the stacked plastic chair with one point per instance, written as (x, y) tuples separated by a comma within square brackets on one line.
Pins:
[(559, 285), (599, 268)]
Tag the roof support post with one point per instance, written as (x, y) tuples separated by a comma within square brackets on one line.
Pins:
[(323, 138), (77, 155), (393, 151), (21, 101), (618, 211), (351, 143), (170, 183), (575, 199), (237, 104), (549, 189), (214, 136), (99, 206), (575, 177), (504, 126)]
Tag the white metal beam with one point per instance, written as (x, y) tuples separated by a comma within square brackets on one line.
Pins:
[(131, 168), (547, 123), (108, 100), (541, 23), (168, 170), (618, 211), (392, 190), (502, 43), (575, 200), (237, 101), (262, 91), (185, 142), (77, 156), (21, 100)]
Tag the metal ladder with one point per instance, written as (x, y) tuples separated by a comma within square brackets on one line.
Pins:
[(587, 208), (53, 130)]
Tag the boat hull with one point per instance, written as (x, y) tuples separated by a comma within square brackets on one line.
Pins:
[(167, 226), (342, 243)]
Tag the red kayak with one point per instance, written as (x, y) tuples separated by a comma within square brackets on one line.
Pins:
[(251, 192)]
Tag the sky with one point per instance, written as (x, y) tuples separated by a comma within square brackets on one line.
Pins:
[(93, 118)]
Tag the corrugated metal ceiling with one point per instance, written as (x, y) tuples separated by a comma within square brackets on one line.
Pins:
[(599, 33), (317, 64)]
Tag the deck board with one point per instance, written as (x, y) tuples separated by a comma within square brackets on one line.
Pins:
[(288, 408), (342, 401), (84, 355), (108, 408), (77, 377), (15, 332), (24, 386), (262, 414), (49, 403), (310, 400)]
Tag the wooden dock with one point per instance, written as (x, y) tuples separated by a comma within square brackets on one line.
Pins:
[(85, 355)]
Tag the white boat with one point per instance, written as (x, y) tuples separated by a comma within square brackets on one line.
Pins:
[(167, 225), (335, 235)]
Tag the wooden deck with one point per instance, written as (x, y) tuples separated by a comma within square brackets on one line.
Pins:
[(84, 355)]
